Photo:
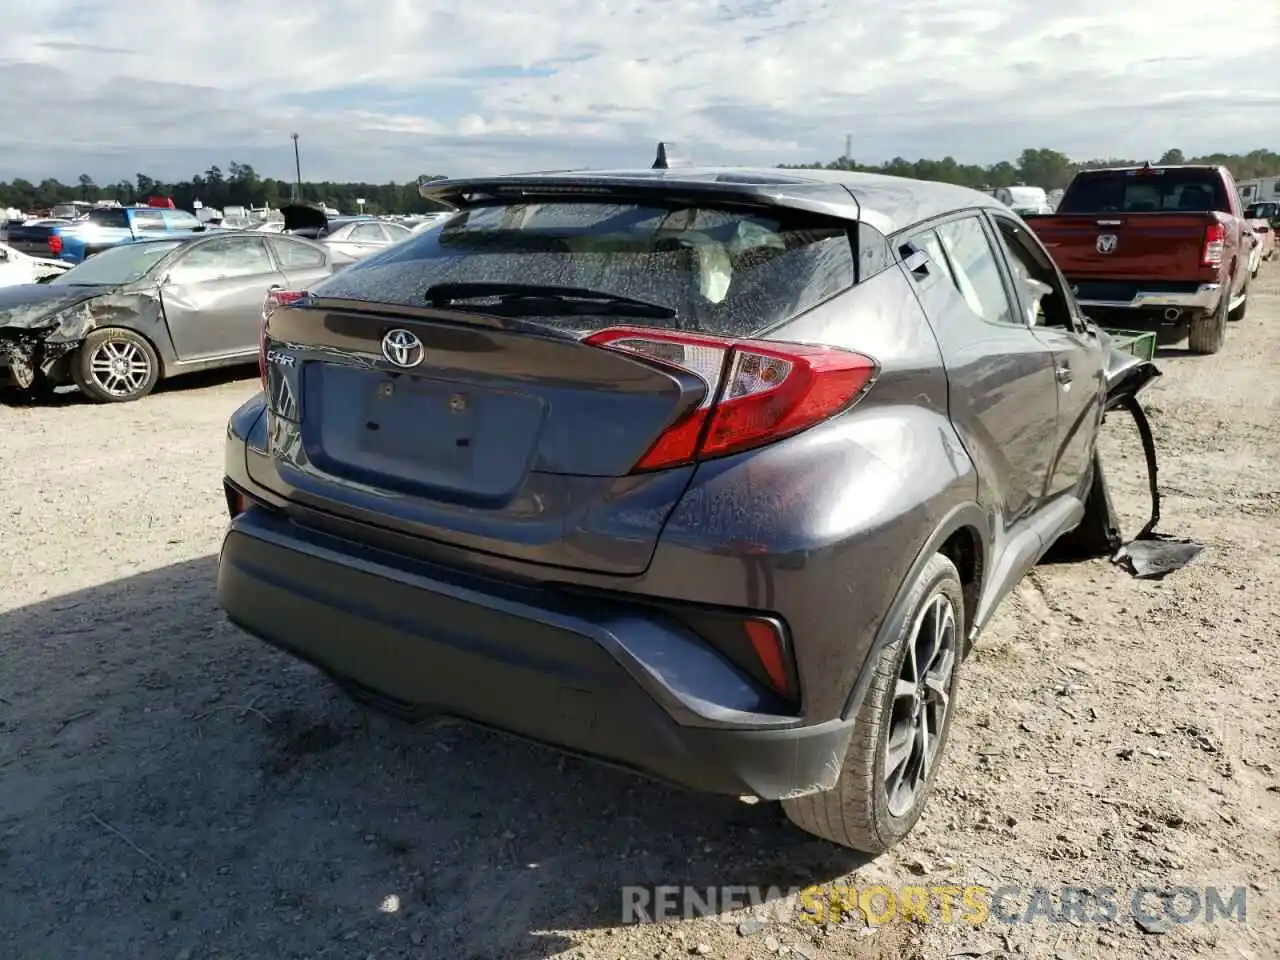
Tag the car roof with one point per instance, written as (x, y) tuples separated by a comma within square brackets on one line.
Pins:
[(886, 202)]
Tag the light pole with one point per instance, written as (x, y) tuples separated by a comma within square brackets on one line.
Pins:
[(297, 168)]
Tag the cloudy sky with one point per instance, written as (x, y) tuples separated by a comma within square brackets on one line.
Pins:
[(388, 89)]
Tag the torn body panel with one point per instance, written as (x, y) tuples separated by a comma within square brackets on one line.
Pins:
[(1127, 375), (37, 332), (1099, 533)]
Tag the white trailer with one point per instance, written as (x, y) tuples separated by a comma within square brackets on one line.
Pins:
[(1259, 189)]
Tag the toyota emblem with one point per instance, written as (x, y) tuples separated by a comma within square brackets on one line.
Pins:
[(403, 348), (1107, 243)]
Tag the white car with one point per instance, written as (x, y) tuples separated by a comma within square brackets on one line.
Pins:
[(426, 221), (353, 237), (1255, 252), (17, 267)]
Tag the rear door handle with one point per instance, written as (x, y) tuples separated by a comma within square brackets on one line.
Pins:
[(1064, 374)]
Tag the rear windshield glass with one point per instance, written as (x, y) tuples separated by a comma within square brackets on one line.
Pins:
[(1146, 191), (109, 218), (1262, 211), (723, 272)]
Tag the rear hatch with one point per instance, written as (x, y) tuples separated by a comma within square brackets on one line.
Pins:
[(457, 387), (1137, 224), (304, 219)]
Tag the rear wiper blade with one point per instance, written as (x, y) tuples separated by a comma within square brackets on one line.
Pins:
[(545, 298)]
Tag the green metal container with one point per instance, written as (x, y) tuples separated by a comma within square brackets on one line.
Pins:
[(1138, 342)]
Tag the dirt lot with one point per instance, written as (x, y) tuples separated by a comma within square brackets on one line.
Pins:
[(171, 789)]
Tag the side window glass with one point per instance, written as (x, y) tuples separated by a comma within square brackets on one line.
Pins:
[(296, 256), (976, 269), (367, 233), (148, 221), (180, 220), (873, 252), (222, 259), (932, 246), (1040, 291)]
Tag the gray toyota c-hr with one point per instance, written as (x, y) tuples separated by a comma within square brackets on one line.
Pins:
[(714, 474)]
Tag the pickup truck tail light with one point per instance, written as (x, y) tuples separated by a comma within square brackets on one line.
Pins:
[(276, 298), (756, 392), (1215, 239), (55, 245)]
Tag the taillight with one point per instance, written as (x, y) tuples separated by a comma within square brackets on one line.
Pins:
[(1215, 240), (55, 244), (275, 298), (757, 392)]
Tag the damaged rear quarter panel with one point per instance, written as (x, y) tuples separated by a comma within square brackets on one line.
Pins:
[(33, 338)]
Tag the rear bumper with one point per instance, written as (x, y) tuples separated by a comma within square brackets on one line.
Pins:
[(1204, 297), (589, 678)]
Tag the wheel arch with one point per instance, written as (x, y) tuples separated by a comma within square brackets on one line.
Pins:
[(959, 536)]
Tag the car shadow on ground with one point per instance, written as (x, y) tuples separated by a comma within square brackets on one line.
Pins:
[(165, 779), (1175, 353)]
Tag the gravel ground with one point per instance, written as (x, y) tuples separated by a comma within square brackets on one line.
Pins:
[(171, 789)]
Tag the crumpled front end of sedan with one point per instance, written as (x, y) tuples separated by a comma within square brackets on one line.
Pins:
[(41, 325), (35, 337)]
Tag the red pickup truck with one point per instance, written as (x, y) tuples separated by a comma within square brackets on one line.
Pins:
[(1163, 247)]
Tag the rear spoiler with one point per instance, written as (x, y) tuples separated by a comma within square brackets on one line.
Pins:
[(829, 199)]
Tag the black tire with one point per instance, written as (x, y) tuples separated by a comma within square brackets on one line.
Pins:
[(103, 387), (1207, 333), (856, 813)]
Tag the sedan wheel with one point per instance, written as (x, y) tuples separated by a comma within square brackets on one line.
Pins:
[(116, 366)]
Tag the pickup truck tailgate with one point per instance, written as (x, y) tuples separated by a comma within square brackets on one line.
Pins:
[(1127, 245)]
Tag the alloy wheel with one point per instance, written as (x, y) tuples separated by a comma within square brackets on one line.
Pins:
[(119, 368), (921, 702)]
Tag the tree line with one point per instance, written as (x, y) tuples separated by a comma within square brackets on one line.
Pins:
[(1042, 167), (241, 185)]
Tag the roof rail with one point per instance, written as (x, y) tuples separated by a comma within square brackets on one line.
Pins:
[(669, 156)]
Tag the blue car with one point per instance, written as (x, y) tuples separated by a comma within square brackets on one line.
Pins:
[(111, 227)]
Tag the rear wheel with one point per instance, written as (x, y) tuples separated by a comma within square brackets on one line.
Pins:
[(1208, 332), (901, 728), (115, 365)]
